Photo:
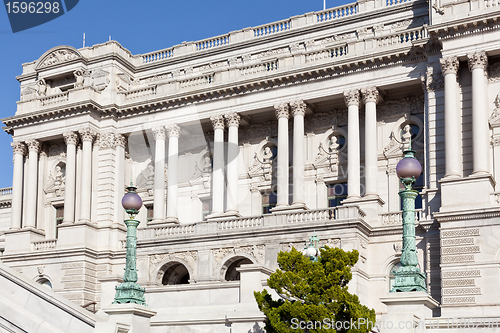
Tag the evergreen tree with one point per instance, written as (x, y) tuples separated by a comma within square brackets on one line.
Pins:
[(314, 295)]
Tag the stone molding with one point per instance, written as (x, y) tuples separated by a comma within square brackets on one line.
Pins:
[(217, 121), (71, 138), (233, 119), (19, 147), (449, 65), (33, 145), (298, 108), (477, 60), (352, 97), (173, 130), (370, 94), (159, 132)]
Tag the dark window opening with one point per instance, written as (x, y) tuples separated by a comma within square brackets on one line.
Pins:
[(232, 274), (336, 194), (268, 202), (176, 274)]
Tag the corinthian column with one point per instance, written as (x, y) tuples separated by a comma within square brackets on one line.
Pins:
[(87, 135), (218, 167), (120, 142), (17, 185), (452, 140), (32, 180), (159, 179), (282, 171), (480, 129), (233, 122), (353, 154), (173, 132), (298, 112), (71, 139), (370, 97)]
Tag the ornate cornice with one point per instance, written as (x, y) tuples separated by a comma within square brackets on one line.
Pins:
[(480, 214), (233, 119), (282, 110), (352, 97), (71, 138), (87, 134), (477, 60), (33, 145), (449, 65), (217, 121), (173, 130), (298, 108), (370, 94), (18, 147), (159, 132)]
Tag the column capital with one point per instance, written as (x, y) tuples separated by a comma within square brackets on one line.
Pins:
[(159, 132), (477, 60), (233, 119), (449, 65), (173, 130), (217, 121), (370, 94), (352, 97), (298, 108), (71, 138), (282, 110), (120, 140), (87, 134), (33, 144), (18, 147)]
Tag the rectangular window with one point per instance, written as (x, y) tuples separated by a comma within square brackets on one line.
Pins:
[(268, 202), (59, 217), (206, 207), (336, 193)]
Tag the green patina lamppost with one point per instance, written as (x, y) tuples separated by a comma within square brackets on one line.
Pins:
[(408, 277), (130, 291), (312, 251)]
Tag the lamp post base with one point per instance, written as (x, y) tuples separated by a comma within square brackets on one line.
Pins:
[(409, 279), (129, 292)]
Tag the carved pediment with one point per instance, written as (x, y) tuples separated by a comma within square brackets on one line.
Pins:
[(58, 55)]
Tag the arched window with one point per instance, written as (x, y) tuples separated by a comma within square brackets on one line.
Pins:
[(231, 273), (45, 283), (176, 273)]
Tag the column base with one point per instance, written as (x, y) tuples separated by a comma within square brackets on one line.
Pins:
[(409, 279), (371, 205), (299, 205), (471, 192), (172, 220), (232, 213), (414, 307), (126, 318), (215, 215)]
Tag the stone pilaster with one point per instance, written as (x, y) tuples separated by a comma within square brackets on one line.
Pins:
[(299, 152), (282, 170), (71, 139), (352, 101), (159, 178), (218, 166), (370, 97), (87, 136), (19, 149), (233, 149), (173, 132), (32, 182)]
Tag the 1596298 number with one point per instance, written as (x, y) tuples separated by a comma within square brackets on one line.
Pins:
[(32, 7)]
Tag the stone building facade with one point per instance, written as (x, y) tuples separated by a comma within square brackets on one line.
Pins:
[(245, 144)]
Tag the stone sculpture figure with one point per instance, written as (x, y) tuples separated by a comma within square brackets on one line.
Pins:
[(42, 87), (406, 136), (333, 145), (267, 155), (79, 78)]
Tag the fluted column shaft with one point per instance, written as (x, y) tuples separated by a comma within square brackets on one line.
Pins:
[(173, 132), (452, 140), (218, 165), (480, 129), (159, 178), (353, 150), (120, 142), (71, 139), (32, 180), (87, 136), (282, 171), (370, 96), (17, 185), (233, 122), (298, 112)]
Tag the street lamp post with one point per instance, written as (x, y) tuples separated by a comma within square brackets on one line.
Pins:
[(130, 291), (312, 251), (408, 277)]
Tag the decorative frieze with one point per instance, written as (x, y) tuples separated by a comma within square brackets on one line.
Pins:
[(461, 273), (458, 300), (57, 57), (188, 257), (449, 65), (287, 247), (255, 251), (457, 241), (461, 291), (460, 249), (454, 259), (460, 233), (458, 283)]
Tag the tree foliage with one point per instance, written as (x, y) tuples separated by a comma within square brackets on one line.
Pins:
[(314, 292)]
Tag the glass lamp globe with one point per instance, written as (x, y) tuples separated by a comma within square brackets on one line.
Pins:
[(132, 202), (408, 167), (311, 252)]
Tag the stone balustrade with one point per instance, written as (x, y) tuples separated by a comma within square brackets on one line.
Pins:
[(6, 191), (210, 43), (337, 12), (44, 245), (140, 92), (55, 99), (396, 218)]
